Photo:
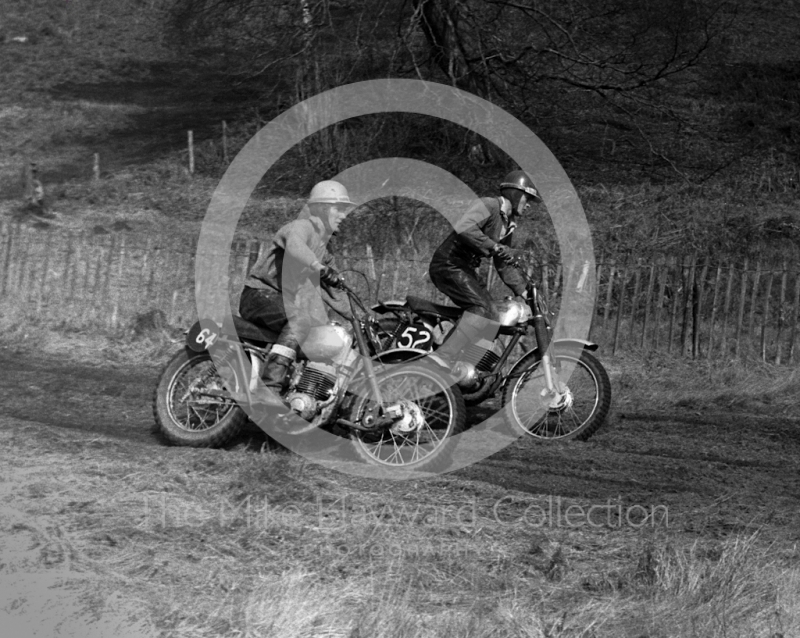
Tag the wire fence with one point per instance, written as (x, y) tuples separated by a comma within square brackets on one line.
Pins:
[(677, 304)]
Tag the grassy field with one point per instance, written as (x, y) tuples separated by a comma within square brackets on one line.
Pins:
[(209, 544)]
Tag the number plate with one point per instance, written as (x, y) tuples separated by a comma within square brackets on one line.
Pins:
[(202, 335), (416, 336)]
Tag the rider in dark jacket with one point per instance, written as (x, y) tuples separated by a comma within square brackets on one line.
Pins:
[(486, 229)]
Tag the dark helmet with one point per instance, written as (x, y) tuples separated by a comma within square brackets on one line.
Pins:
[(520, 181)]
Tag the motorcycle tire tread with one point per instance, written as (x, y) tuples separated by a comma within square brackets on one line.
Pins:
[(442, 458), (585, 431), (216, 436)]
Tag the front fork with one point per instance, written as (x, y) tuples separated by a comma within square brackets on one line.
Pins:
[(543, 343)]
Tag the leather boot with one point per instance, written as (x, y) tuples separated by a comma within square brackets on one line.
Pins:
[(274, 378)]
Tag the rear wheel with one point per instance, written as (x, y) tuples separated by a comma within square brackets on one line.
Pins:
[(578, 411), (184, 415), (432, 412)]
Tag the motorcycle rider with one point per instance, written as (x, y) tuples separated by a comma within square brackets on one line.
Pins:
[(282, 291), (485, 230)]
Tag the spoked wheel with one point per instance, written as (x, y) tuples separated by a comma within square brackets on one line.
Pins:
[(430, 412), (576, 412), (184, 414)]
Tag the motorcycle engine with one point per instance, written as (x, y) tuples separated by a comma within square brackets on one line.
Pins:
[(314, 389), (483, 354), (478, 357), (330, 347)]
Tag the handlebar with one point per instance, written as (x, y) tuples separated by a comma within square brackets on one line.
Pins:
[(341, 285), (517, 263)]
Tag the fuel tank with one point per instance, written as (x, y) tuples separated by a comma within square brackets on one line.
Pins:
[(326, 342), (513, 312)]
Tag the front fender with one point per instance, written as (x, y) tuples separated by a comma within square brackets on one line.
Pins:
[(402, 355), (587, 345), (582, 343)]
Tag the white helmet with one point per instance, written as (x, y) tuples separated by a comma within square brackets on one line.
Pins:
[(329, 192)]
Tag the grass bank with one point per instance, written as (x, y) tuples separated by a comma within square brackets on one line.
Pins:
[(200, 543)]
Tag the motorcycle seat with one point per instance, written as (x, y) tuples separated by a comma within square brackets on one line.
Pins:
[(250, 331), (424, 307)]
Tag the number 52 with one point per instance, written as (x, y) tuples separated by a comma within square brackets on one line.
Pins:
[(414, 337)]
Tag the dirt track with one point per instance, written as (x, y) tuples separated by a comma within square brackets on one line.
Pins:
[(717, 473)]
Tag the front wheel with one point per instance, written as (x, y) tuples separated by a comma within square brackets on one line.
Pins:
[(187, 416), (432, 411), (578, 410)]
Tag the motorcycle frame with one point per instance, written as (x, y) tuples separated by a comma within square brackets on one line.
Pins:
[(542, 331)]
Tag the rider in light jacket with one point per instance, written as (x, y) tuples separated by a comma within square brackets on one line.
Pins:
[(281, 291)]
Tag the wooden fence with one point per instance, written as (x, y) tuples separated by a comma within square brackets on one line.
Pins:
[(695, 307), (682, 305)]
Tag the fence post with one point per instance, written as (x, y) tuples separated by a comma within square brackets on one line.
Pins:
[(740, 314), (663, 272), (396, 272), (379, 287), (781, 314), (714, 305), (371, 263), (87, 289), (607, 310), (42, 296), (678, 270), (698, 291), (623, 270), (765, 319), (753, 297), (191, 153), (688, 288), (545, 279), (726, 311), (635, 297), (7, 231), (118, 287), (796, 316), (648, 295), (225, 142), (99, 246), (22, 260), (598, 274), (144, 288)]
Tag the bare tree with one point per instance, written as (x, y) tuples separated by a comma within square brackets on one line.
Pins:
[(608, 71)]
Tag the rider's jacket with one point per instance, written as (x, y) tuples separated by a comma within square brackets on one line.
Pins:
[(486, 223), (296, 250), (292, 259)]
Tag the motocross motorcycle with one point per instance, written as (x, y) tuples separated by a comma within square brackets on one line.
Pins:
[(536, 394), (397, 417)]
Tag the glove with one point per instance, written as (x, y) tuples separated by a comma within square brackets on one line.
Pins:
[(329, 276), (504, 253)]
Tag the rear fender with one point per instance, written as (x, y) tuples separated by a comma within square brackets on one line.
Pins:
[(202, 335), (389, 305)]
